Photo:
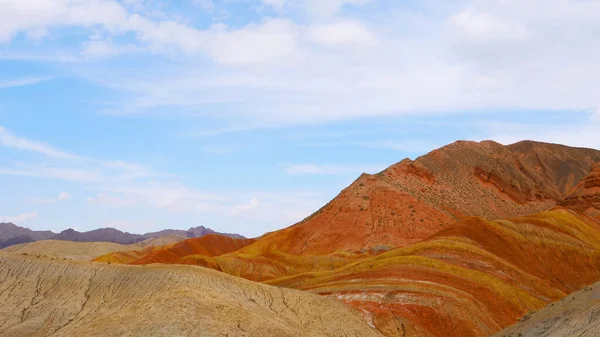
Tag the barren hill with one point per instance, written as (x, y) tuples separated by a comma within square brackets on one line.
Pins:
[(81, 251), (43, 297), (412, 200)]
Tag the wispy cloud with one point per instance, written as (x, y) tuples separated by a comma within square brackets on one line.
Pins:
[(60, 173), (19, 219), (409, 146), (9, 140), (107, 199), (80, 168), (313, 169), (22, 82), (245, 207), (61, 197)]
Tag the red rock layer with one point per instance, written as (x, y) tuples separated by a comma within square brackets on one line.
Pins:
[(208, 246), (586, 195), (469, 280)]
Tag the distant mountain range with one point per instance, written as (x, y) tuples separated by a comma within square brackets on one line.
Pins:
[(11, 234)]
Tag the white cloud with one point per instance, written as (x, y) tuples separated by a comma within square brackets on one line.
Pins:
[(61, 173), (80, 168), (106, 48), (343, 33), (61, 197), (411, 146), (325, 8), (207, 5), (19, 219), (312, 169), (21, 83), (112, 200), (277, 4), (587, 135), (273, 42), (36, 16), (485, 27), (242, 208), (9, 140)]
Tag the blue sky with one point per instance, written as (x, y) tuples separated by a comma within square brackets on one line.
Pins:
[(247, 115)]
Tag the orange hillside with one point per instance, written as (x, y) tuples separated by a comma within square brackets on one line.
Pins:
[(470, 280), (208, 245)]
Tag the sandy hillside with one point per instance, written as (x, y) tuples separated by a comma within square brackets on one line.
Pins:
[(44, 297), (576, 315), (83, 251)]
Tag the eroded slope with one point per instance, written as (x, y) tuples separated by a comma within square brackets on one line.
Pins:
[(576, 315), (43, 297)]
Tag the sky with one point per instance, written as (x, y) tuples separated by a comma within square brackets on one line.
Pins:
[(246, 116)]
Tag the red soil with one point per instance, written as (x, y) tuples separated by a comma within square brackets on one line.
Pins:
[(208, 245)]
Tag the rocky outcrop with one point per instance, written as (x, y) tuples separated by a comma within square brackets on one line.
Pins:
[(586, 195), (43, 297)]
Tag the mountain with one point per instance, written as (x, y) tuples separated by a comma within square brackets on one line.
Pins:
[(191, 233), (11, 234), (66, 298), (460, 242), (99, 235), (412, 200), (576, 315)]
